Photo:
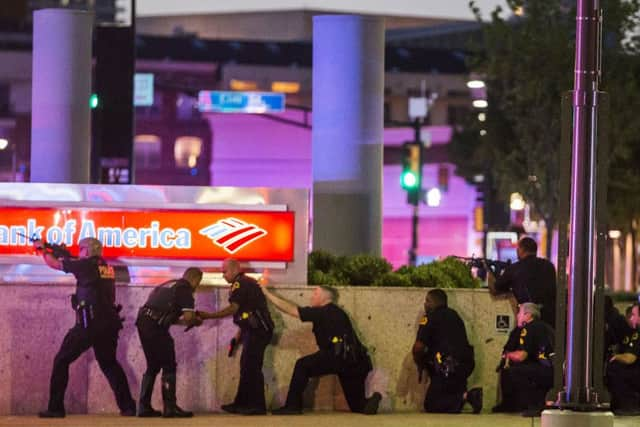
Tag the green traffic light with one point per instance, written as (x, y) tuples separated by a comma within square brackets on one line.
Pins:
[(93, 100), (409, 180)]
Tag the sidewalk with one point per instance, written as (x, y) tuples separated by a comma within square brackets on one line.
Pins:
[(317, 419)]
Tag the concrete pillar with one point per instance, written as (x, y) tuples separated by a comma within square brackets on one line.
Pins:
[(347, 135), (60, 113), (629, 285)]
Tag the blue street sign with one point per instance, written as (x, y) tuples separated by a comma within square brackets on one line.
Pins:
[(240, 102)]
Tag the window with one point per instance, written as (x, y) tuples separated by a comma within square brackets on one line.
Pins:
[(186, 151), (147, 151)]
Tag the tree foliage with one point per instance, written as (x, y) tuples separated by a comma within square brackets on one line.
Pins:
[(527, 64)]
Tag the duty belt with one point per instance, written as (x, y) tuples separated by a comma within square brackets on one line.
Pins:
[(151, 313), (84, 314)]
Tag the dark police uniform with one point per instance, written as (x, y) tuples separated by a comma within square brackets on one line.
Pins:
[(525, 384), (97, 326), (162, 309), (254, 321), (340, 352), (616, 328), (449, 359), (623, 381), (532, 279)]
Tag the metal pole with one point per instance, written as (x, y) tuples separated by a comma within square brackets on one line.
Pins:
[(579, 390), (414, 237), (417, 129)]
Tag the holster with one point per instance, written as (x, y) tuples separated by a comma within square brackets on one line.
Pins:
[(85, 314), (256, 320)]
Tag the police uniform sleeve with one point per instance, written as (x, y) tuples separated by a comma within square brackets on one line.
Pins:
[(184, 298), (309, 314), (239, 293), (631, 343), (73, 266), (505, 281), (535, 340), (425, 331)]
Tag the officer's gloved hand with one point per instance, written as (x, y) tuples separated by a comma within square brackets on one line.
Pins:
[(38, 245)]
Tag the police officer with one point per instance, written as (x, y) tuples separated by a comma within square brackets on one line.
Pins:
[(623, 368), (442, 348), (97, 325), (530, 279), (527, 374), (170, 303), (340, 352), (248, 307)]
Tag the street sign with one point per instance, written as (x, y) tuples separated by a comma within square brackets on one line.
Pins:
[(241, 102), (143, 90)]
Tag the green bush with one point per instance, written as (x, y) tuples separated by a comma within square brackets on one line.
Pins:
[(363, 269), (392, 279), (321, 260), (368, 270)]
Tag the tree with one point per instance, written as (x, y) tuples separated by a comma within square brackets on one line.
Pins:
[(527, 63)]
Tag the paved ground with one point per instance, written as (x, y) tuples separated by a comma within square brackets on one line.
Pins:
[(329, 419)]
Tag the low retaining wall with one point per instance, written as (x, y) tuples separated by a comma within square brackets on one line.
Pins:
[(34, 319)]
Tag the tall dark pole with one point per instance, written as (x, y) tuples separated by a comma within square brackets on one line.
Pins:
[(413, 251), (579, 390)]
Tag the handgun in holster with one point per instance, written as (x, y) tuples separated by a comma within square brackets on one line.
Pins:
[(84, 314), (256, 320)]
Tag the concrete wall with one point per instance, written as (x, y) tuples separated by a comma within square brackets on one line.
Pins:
[(34, 319)]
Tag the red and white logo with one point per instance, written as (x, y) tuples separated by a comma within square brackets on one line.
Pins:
[(232, 234)]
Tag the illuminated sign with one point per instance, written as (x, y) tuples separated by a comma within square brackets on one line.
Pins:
[(241, 102), (143, 90), (154, 233)]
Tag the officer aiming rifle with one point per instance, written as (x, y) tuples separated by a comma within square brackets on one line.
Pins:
[(484, 264), (58, 251)]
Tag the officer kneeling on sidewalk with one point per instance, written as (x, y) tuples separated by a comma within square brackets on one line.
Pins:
[(623, 366), (442, 348), (169, 304), (526, 373), (340, 352)]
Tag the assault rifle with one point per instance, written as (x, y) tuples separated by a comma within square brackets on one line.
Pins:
[(58, 251), (496, 266)]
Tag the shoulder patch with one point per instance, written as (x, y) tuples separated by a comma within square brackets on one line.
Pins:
[(106, 272), (424, 320)]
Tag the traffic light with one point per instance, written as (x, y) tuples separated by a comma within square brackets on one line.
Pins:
[(411, 177)]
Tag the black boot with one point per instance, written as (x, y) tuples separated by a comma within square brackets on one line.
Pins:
[(146, 389), (171, 409)]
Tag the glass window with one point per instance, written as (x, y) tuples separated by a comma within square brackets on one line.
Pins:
[(148, 151), (186, 151)]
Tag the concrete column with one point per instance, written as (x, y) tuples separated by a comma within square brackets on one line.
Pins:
[(60, 114), (347, 135)]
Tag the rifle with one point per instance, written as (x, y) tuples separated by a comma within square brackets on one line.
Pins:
[(58, 251), (496, 266)]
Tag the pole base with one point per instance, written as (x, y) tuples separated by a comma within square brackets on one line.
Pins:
[(564, 418)]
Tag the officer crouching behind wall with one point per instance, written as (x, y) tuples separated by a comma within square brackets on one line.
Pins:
[(526, 371), (623, 367), (248, 307), (169, 304), (97, 325), (340, 352), (442, 348)]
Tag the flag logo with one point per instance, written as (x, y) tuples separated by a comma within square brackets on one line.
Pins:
[(232, 234)]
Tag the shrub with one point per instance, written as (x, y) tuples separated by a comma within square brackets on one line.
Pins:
[(368, 270), (392, 279), (363, 269), (321, 260)]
